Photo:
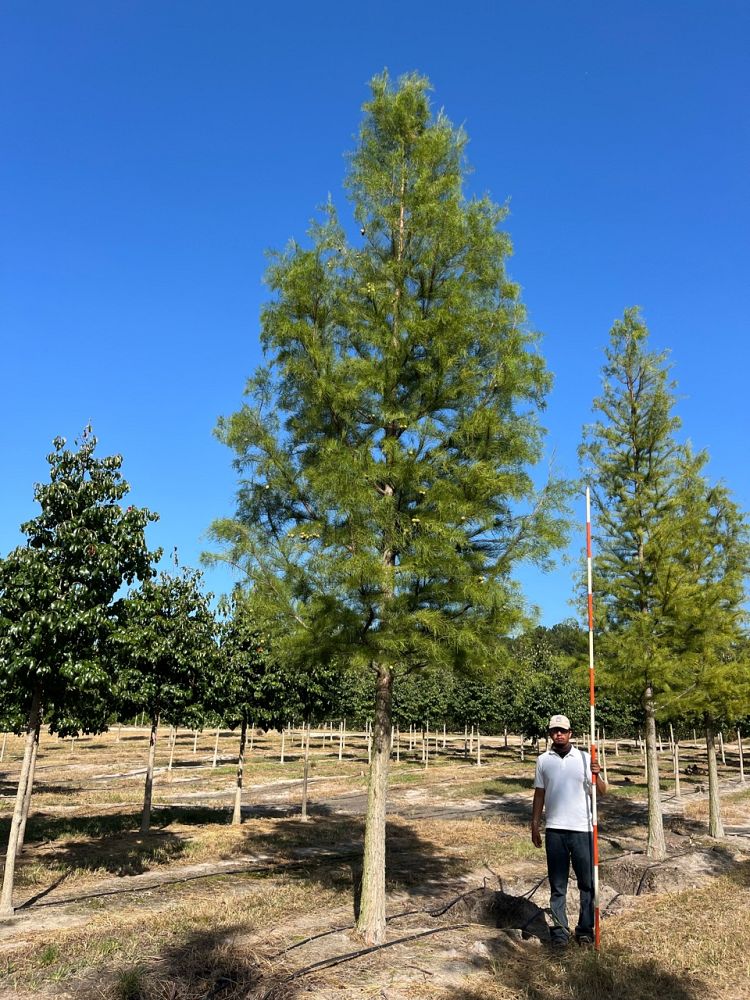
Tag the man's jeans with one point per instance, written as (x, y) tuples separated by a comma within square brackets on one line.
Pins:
[(564, 847)]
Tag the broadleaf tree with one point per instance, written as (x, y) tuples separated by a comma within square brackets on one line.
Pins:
[(165, 651), (386, 446), (58, 606)]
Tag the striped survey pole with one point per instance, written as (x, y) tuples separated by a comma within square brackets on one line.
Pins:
[(592, 703)]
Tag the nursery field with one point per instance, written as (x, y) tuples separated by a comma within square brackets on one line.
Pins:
[(199, 908)]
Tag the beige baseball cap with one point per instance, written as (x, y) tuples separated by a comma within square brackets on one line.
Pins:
[(559, 722)]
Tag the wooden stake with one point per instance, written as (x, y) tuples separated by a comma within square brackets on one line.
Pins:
[(216, 748), (721, 748)]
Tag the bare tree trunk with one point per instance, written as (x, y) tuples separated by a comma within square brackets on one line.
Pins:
[(479, 749), (29, 787), (216, 748), (721, 748), (305, 771), (237, 812), (676, 759), (371, 921), (148, 791), (6, 897), (283, 736), (715, 826), (739, 749), (195, 742), (2, 751), (656, 846)]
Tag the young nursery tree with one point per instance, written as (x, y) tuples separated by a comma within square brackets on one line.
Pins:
[(634, 464), (238, 691), (57, 606), (166, 652), (385, 448), (714, 562)]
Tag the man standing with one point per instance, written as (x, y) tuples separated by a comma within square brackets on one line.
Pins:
[(562, 788)]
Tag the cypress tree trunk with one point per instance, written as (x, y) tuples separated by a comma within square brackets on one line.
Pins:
[(29, 786), (656, 847), (371, 922), (6, 897), (305, 771), (237, 812), (148, 791), (715, 826)]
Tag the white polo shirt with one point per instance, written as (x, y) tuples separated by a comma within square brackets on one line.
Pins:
[(567, 789)]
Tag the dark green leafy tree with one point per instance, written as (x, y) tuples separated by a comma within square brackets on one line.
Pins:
[(421, 697), (57, 606), (545, 683), (238, 690), (635, 466), (166, 652), (385, 448)]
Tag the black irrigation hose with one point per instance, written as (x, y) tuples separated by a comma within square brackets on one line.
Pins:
[(393, 916), (329, 963)]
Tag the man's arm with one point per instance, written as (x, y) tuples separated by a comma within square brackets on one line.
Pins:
[(536, 817), (601, 786)]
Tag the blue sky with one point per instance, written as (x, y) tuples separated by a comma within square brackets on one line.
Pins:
[(153, 151)]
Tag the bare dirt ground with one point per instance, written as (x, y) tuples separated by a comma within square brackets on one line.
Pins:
[(200, 909)]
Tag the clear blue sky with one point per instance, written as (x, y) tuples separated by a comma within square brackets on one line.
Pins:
[(152, 151)]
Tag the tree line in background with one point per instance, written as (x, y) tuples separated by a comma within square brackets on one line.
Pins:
[(385, 454)]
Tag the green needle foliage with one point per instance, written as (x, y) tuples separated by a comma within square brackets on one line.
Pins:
[(713, 562), (385, 448), (670, 554)]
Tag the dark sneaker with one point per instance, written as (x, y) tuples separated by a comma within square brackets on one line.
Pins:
[(585, 940), (558, 944)]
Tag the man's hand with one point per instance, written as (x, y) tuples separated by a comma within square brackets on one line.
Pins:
[(536, 837), (596, 768)]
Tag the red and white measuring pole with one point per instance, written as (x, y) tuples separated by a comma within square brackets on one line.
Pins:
[(592, 702)]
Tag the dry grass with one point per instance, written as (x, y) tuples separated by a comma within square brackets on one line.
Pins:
[(214, 937), (192, 941), (735, 808)]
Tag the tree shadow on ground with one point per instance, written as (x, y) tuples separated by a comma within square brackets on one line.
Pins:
[(328, 850), (118, 854), (614, 975), (203, 964)]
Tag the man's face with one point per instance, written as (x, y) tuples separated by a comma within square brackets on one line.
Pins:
[(560, 737)]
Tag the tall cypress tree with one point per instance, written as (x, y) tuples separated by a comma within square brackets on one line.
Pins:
[(633, 462), (713, 563), (385, 447)]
